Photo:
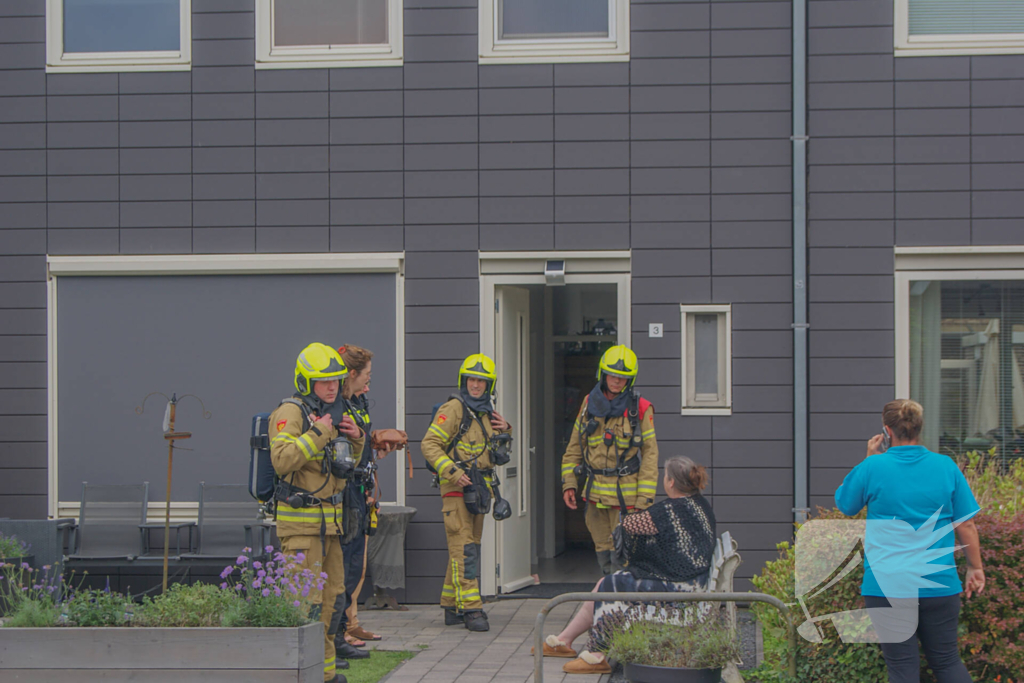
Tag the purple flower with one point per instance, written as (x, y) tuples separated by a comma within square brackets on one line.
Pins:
[(323, 575), (269, 549), (261, 573), (241, 559), (46, 567), (277, 592), (257, 564), (257, 583), (227, 572), (305, 592), (24, 565), (297, 603), (301, 557), (224, 585), (238, 586), (266, 592)]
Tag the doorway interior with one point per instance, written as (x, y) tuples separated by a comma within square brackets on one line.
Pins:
[(547, 341)]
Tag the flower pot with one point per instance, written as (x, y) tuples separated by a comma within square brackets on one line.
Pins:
[(644, 673)]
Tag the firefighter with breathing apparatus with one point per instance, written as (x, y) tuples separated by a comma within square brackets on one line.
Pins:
[(314, 447), (466, 439), (611, 460)]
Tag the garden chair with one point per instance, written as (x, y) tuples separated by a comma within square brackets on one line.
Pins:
[(110, 524), (228, 522)]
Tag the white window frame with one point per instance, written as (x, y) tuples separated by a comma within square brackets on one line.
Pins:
[(326, 56), (57, 61), (725, 347), (907, 45), (614, 48), (949, 264), (211, 264)]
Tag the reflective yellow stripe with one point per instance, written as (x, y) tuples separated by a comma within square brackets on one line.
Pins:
[(649, 432), (437, 430), (567, 468), (457, 584), (308, 447), (308, 515), (330, 665), (444, 463), (283, 436), (471, 449)]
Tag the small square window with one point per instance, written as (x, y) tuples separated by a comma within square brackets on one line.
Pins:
[(706, 360), (327, 33), (547, 31), (118, 35), (958, 27)]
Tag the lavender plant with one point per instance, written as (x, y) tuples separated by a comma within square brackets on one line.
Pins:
[(30, 597), (275, 593), (12, 547)]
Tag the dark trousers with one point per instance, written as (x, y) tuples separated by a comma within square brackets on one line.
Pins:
[(936, 629), (354, 550)]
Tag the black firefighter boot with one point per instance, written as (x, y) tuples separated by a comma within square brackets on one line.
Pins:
[(453, 617), (476, 620), (338, 678), (345, 651)]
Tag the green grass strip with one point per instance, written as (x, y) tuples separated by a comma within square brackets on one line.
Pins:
[(379, 665)]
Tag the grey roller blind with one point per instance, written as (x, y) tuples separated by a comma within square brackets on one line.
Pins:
[(330, 22), (231, 340), (947, 17), (526, 19), (122, 25)]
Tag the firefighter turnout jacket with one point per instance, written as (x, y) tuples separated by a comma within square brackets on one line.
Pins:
[(603, 449), (298, 454), (472, 445)]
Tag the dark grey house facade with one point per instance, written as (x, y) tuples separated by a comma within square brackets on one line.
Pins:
[(190, 230)]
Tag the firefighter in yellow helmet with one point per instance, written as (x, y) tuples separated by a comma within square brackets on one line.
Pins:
[(313, 445), (611, 461), (464, 442)]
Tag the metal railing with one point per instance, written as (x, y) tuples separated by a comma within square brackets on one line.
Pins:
[(538, 627)]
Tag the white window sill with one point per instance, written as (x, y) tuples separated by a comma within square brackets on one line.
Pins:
[(552, 58), (306, 63), (958, 50), (706, 412), (115, 68)]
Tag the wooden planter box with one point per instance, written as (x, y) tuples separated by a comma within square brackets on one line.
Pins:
[(163, 655)]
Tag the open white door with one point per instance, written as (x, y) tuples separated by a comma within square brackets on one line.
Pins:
[(512, 337)]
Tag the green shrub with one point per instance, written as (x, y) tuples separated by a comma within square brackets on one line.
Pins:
[(185, 606), (702, 643), (33, 614), (831, 660), (997, 486), (95, 607)]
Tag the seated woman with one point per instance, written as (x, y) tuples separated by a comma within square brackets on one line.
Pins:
[(669, 548)]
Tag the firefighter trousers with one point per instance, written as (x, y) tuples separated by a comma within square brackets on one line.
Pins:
[(461, 588), (332, 601), (601, 521)]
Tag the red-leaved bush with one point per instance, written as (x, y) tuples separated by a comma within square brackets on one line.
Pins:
[(992, 623)]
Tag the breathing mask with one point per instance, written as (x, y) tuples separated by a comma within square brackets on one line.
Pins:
[(500, 446)]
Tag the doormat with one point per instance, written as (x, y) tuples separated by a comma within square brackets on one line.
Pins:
[(546, 590)]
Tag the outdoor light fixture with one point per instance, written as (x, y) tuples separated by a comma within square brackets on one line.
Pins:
[(554, 273)]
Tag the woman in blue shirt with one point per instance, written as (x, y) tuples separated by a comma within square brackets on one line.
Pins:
[(915, 500)]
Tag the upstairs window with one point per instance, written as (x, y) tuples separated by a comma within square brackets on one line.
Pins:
[(959, 27), (325, 33), (118, 35), (547, 31)]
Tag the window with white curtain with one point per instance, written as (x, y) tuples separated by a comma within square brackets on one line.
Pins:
[(958, 27), (706, 359), (118, 35), (546, 31), (327, 33), (966, 355)]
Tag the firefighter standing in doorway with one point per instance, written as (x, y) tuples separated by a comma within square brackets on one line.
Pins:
[(312, 443), (611, 461), (462, 446)]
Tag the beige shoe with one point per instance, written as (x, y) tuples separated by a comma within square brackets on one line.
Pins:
[(588, 663), (553, 647)]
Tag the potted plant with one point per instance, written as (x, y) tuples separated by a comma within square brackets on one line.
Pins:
[(14, 551), (665, 643)]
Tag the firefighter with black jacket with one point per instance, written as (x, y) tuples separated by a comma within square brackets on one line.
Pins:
[(611, 461), (313, 446), (464, 442)]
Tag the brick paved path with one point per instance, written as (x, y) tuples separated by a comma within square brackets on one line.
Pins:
[(454, 654)]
